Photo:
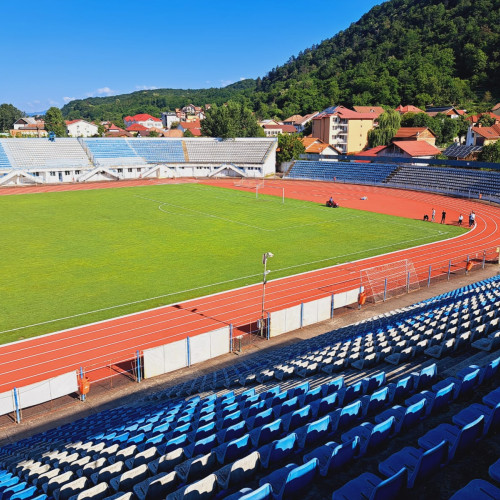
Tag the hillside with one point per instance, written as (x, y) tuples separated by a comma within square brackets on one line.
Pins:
[(114, 108), (403, 51)]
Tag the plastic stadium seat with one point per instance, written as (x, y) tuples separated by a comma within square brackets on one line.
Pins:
[(168, 461), (278, 450), (406, 416), (126, 480), (346, 416), (312, 395), (371, 436), (350, 393), (426, 376), (231, 433), (477, 489), (325, 405), (239, 472), (68, 490), (206, 488), (458, 438), (313, 432), (97, 492), (56, 482), (27, 493), (419, 463), (109, 472), (369, 486), (288, 406), (296, 419), (262, 493), (229, 452), (492, 398), (372, 404), (334, 456), (196, 468), (267, 433), (333, 386), (157, 486), (291, 479), (494, 471), (400, 389), (435, 400), (472, 412)]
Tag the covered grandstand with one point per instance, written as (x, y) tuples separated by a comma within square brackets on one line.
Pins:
[(32, 161)]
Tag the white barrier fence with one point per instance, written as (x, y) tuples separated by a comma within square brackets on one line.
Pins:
[(170, 357), (38, 393), (308, 313)]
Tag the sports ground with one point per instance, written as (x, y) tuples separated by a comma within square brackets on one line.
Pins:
[(76, 257)]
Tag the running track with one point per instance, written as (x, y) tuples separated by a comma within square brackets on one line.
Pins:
[(118, 339)]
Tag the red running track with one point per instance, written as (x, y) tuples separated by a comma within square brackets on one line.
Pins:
[(96, 345)]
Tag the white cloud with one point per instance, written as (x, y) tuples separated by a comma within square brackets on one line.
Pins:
[(242, 78), (105, 90), (146, 87), (68, 99), (225, 83)]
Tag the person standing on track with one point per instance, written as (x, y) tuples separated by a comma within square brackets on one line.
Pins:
[(443, 217), (472, 219), (460, 219), (433, 215)]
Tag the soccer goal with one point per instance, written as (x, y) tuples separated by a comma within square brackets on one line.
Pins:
[(278, 191), (390, 280)]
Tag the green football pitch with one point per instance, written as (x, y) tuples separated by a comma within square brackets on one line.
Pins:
[(83, 256)]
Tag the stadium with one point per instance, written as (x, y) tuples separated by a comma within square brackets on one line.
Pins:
[(375, 398)]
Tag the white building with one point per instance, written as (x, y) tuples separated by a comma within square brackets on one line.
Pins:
[(81, 128), (169, 117), (143, 119)]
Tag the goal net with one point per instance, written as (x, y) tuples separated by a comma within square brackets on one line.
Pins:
[(390, 280)]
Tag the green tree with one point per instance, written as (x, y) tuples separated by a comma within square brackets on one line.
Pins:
[(232, 120), (8, 115), (101, 130), (486, 121), (153, 133), (490, 153), (388, 125), (290, 147), (188, 133), (54, 122)]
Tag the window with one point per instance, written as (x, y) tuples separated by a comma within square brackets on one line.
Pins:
[(77, 172), (67, 172), (120, 170), (139, 169), (130, 170), (52, 174)]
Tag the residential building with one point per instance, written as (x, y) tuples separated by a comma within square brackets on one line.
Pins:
[(376, 110), (409, 109), (463, 153), (415, 134), (275, 130), (482, 136), (169, 117), (343, 128), (193, 126), (81, 128), (411, 149), (28, 127), (449, 111), (318, 148), (142, 119)]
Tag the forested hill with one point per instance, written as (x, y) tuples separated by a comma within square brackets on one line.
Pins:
[(153, 102), (403, 51)]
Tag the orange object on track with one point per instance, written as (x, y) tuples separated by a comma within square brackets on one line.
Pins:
[(84, 386), (468, 267), (362, 298)]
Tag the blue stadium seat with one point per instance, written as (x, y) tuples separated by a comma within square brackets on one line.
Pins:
[(198, 467), (291, 479), (278, 450), (419, 463), (234, 475), (406, 416), (369, 486), (334, 456), (264, 492), (477, 489), (494, 471), (472, 412), (267, 433), (370, 435)]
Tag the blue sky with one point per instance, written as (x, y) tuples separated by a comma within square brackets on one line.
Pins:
[(56, 51)]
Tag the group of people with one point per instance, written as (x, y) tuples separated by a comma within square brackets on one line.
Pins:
[(472, 217)]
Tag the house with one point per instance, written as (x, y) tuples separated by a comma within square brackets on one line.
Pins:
[(408, 109), (136, 128), (496, 109), (448, 111), (474, 119), (372, 152), (81, 128), (411, 149), (343, 128), (142, 119), (314, 146), (463, 153), (376, 110), (415, 134), (169, 117), (275, 130), (292, 120), (269, 121), (193, 126), (482, 136), (175, 132), (300, 125), (28, 127)]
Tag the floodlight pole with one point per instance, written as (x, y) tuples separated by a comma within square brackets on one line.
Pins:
[(265, 256)]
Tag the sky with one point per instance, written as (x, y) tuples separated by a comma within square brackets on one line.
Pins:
[(57, 51)]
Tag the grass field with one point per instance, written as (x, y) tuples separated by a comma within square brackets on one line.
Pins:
[(69, 253)]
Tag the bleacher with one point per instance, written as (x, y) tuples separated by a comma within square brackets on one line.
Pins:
[(460, 181), (341, 171), (229, 151), (110, 152), (42, 153), (4, 159), (158, 151), (300, 426)]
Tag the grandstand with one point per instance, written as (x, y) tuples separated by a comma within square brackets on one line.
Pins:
[(358, 409), (455, 181), (97, 159)]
